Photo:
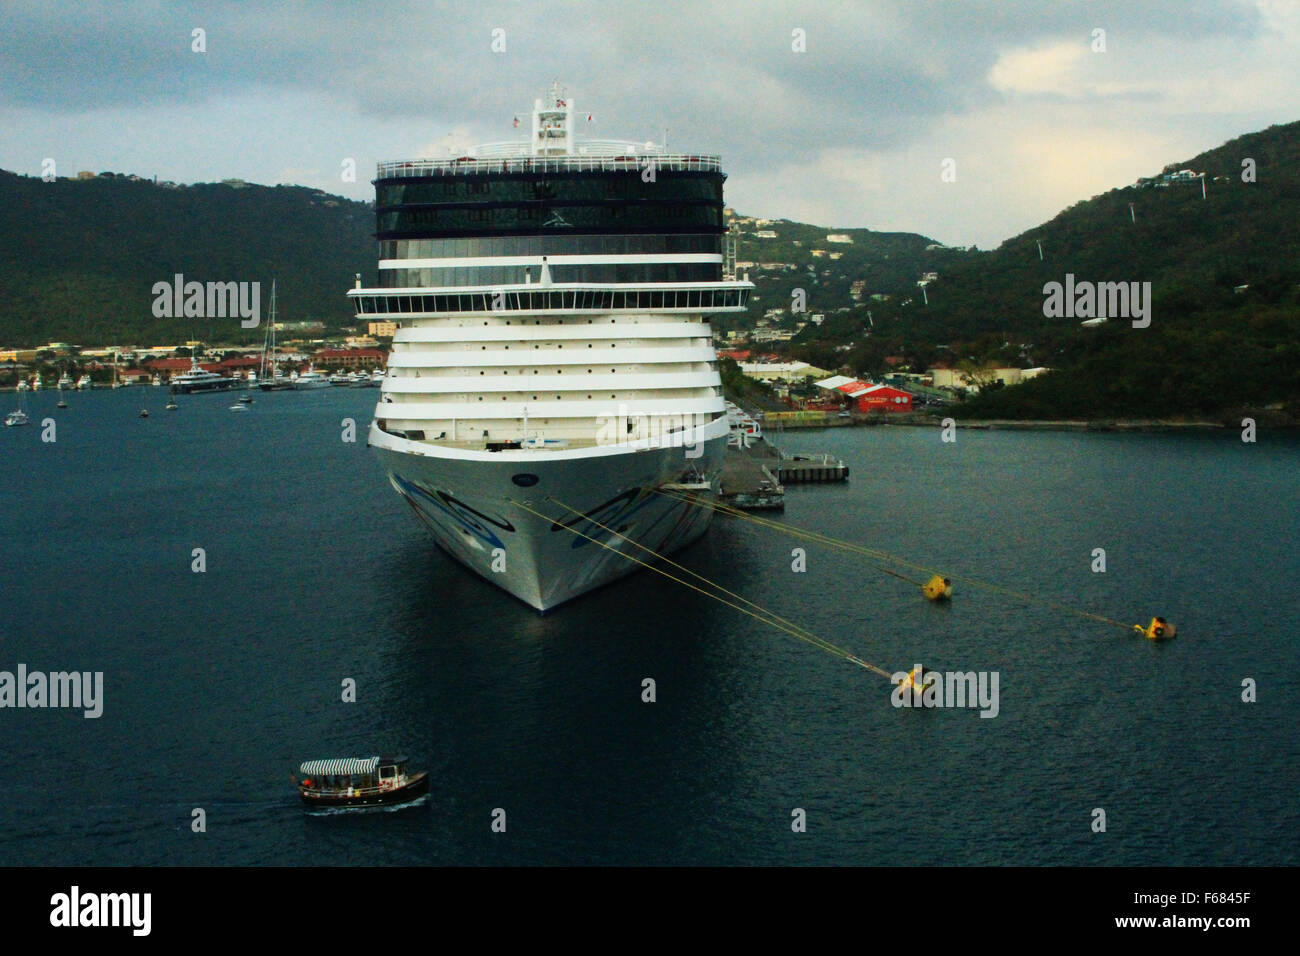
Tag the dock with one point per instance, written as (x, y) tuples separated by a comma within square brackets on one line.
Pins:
[(747, 482), (805, 468), (755, 477)]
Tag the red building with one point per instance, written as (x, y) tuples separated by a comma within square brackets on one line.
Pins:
[(866, 397), (241, 363), (175, 366)]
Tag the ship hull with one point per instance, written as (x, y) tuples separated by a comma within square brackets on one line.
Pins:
[(187, 389), (542, 541)]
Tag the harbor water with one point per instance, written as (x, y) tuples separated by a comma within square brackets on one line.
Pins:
[(224, 668)]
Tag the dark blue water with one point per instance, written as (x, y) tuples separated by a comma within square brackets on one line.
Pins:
[(218, 684)]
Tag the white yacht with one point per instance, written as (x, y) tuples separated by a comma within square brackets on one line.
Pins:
[(198, 379), (36, 382), (377, 377), (310, 379), (65, 381), (340, 378), (84, 383), (552, 393)]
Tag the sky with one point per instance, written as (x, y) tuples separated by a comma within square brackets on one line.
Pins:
[(843, 114)]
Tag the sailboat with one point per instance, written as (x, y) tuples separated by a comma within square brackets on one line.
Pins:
[(171, 405), (269, 376)]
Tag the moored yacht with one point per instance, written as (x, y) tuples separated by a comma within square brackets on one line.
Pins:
[(199, 379), (310, 379)]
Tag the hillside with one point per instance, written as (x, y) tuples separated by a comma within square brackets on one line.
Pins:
[(1211, 345), (801, 257), (78, 258)]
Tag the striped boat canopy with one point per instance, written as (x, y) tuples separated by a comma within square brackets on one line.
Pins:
[(343, 765)]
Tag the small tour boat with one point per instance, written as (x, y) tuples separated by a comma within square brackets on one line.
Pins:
[(360, 782)]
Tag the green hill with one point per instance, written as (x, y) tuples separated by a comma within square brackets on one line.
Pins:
[(887, 262), (78, 258), (1211, 346)]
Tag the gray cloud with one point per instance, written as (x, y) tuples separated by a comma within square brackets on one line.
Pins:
[(877, 77)]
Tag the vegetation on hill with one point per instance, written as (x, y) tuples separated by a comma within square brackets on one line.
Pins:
[(79, 258), (1211, 345)]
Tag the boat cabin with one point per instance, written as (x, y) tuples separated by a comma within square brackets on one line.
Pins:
[(352, 774)]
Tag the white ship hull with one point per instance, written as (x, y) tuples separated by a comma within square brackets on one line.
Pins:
[(483, 518)]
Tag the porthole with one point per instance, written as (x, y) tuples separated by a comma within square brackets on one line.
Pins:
[(525, 480)]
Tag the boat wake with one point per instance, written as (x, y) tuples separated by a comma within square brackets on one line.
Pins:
[(420, 801)]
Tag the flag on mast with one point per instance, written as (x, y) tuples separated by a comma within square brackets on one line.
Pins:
[(516, 122)]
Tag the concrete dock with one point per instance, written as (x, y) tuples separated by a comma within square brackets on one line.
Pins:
[(747, 481), (755, 477)]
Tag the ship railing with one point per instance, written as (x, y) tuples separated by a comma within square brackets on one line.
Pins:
[(468, 166)]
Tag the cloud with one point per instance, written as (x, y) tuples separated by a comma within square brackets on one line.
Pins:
[(881, 94)]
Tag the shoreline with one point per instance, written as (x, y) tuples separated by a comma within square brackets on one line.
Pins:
[(1091, 425)]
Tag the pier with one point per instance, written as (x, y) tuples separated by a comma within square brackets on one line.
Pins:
[(755, 476)]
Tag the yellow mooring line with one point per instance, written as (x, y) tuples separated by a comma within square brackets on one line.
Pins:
[(758, 612), (828, 541)]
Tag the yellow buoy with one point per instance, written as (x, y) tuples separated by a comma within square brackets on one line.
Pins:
[(1158, 630), (937, 588)]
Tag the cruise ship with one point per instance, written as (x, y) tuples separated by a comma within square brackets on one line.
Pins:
[(553, 372)]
